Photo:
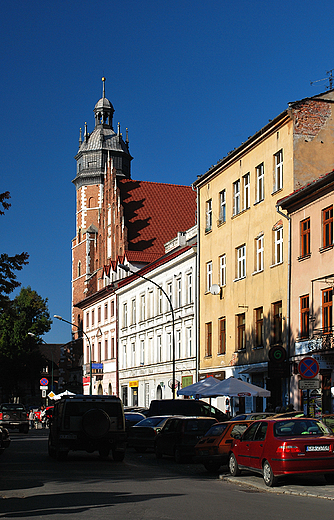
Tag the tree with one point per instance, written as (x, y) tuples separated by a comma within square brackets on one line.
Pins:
[(20, 359), (9, 264)]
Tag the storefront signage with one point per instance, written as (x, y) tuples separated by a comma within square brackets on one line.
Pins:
[(133, 384)]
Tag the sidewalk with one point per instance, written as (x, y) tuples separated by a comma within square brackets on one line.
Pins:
[(311, 486)]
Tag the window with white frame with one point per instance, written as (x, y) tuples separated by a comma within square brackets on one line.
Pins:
[(222, 269), (150, 304), (178, 344), (125, 314), (142, 307), (259, 183), (159, 300), (241, 262), (189, 342), (222, 206), (189, 288), (178, 292), (142, 351), (133, 311), (278, 180), (278, 245), (169, 292), (133, 354), (159, 348), (236, 197), (124, 357), (208, 276), (259, 253), (208, 225), (169, 346), (246, 191)]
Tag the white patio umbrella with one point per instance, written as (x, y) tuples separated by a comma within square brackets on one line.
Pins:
[(59, 396), (204, 385), (234, 387)]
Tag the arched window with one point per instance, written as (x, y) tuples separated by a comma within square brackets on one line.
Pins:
[(79, 268)]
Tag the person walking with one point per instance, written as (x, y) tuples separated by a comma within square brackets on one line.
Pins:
[(43, 416), (32, 418)]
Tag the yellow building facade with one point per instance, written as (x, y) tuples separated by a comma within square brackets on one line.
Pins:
[(243, 245)]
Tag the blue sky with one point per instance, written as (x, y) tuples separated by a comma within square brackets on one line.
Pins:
[(191, 80)]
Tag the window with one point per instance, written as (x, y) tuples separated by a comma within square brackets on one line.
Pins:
[(208, 339), (79, 269), (278, 245), (99, 348), (133, 311), (236, 197), (259, 183), (124, 357), (222, 335), (142, 307), (87, 320), (93, 318), (259, 329), (142, 352), (178, 344), (133, 354), (159, 349), (125, 314), (112, 348), (241, 262), (304, 316), (159, 300), (327, 226), (208, 276), (189, 342), (241, 331), (150, 304), (277, 323), (189, 288), (259, 252), (105, 312), (112, 308), (178, 292), (305, 237), (222, 207), (169, 346), (246, 191), (169, 294), (106, 349), (222, 269), (327, 303), (99, 314), (278, 180), (208, 225)]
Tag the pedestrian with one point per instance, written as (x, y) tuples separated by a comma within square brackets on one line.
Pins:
[(43, 416), (32, 418)]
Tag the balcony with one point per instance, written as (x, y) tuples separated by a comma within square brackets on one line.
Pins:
[(322, 340)]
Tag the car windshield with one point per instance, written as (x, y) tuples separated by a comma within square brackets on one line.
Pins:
[(13, 407), (293, 428), (216, 430), (151, 421)]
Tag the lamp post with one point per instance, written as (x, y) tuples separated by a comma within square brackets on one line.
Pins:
[(128, 270), (90, 348)]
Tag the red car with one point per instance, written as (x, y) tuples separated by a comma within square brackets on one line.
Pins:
[(278, 447)]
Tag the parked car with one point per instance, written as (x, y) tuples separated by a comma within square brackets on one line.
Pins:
[(138, 409), (179, 436), (254, 416), (14, 416), (132, 418), (278, 447), (88, 423), (213, 450), (4, 439), (142, 436), (188, 407)]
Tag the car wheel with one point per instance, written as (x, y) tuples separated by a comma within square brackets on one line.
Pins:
[(268, 476), (233, 466), (211, 466), (104, 453), (329, 477), (178, 456), (118, 456)]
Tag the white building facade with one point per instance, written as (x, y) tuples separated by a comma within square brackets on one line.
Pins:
[(145, 325)]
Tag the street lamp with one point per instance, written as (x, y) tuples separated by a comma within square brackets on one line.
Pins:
[(90, 348), (128, 270)]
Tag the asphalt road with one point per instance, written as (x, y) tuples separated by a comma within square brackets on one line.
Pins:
[(34, 486)]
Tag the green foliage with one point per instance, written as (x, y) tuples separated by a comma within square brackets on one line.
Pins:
[(9, 264), (20, 358)]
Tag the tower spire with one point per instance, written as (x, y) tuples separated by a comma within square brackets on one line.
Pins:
[(104, 87)]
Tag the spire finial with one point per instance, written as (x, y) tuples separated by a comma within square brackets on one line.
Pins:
[(80, 137), (104, 87)]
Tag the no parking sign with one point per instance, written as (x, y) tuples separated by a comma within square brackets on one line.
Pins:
[(308, 367)]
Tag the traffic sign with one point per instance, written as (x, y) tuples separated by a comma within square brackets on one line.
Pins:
[(308, 367), (308, 384), (44, 382), (277, 354)]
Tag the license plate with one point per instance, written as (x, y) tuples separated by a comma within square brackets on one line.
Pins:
[(68, 436), (317, 448)]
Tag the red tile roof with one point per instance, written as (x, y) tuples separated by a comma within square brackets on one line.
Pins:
[(154, 213)]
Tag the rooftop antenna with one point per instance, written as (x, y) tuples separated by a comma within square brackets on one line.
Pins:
[(329, 78)]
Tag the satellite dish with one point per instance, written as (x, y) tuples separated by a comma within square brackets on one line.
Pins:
[(215, 289)]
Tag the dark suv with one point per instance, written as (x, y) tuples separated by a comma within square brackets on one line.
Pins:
[(88, 423), (14, 415), (179, 436)]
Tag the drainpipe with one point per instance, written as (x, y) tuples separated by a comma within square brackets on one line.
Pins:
[(289, 291), (197, 307)]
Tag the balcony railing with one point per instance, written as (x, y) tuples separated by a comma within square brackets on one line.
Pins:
[(322, 339)]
